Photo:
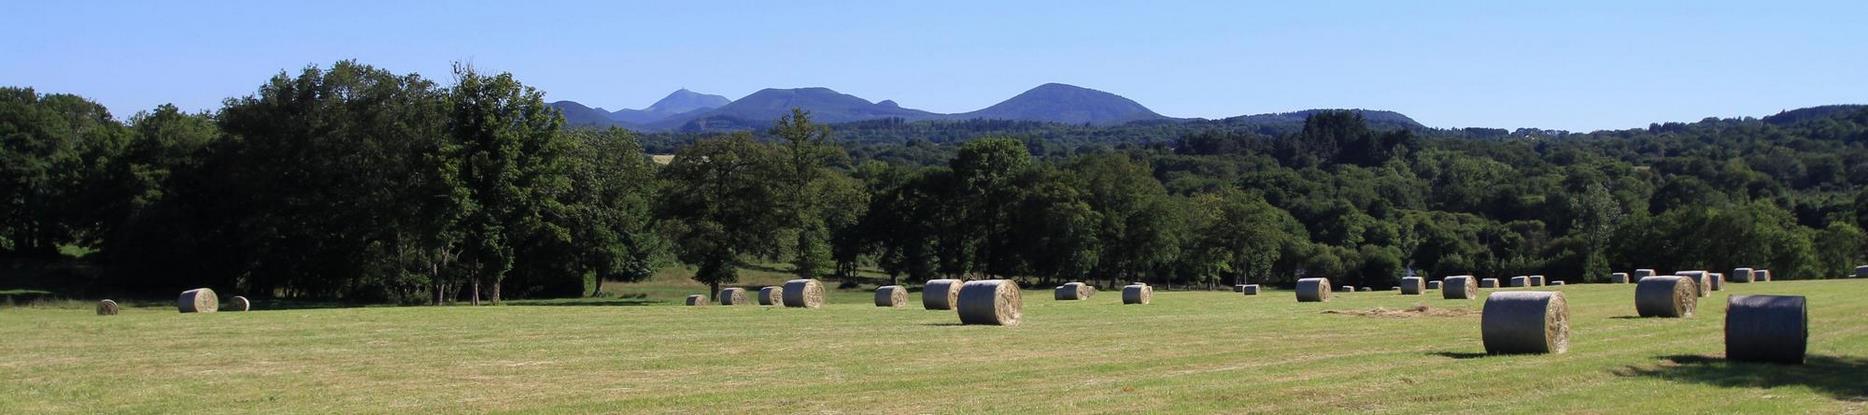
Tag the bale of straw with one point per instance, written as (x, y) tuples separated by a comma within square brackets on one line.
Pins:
[(1642, 273), (1459, 287), (1521, 281), (1433, 285), (995, 302), (697, 300), (1488, 283), (1537, 280), (1250, 289), (1349, 288), (1525, 322), (771, 295), (1718, 281), (1138, 294), (1365, 289), (733, 296), (1412, 286), (199, 300), (1618, 278), (1702, 281), (1861, 271), (1073, 291), (1766, 328), (1557, 283), (107, 307), (1238, 288), (1763, 275), (1666, 296), (238, 303), (1741, 275), (1310, 290), (891, 296), (940, 294), (803, 293)]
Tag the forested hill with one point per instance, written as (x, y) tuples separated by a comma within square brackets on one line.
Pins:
[(363, 185)]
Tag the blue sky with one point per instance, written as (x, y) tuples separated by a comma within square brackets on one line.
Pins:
[(1570, 65)]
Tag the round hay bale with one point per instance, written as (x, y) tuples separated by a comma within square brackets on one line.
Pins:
[(1741, 275), (1365, 289), (1396, 288), (1861, 271), (1766, 328), (1310, 290), (697, 300), (107, 307), (733, 296), (1238, 288), (1618, 278), (993, 302), (1412, 286), (1459, 287), (1250, 289), (238, 303), (1525, 322), (1433, 285), (771, 295), (1521, 281), (1640, 273), (804, 293), (1488, 283), (1763, 275), (1667, 296), (1072, 291), (199, 300), (1702, 282), (940, 294), (1537, 280), (1718, 281), (1349, 289), (891, 296), (1138, 294), (1557, 283)]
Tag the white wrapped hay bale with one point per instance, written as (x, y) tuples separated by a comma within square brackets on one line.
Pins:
[(1763, 275), (1365, 289), (1073, 291), (1516, 322), (1741, 275), (1642, 273), (771, 295), (1666, 296), (199, 300), (1310, 290), (1433, 285), (940, 294), (995, 302), (1138, 294), (1861, 271), (803, 293), (1701, 281), (1412, 286), (733, 296), (891, 296), (1488, 283), (1618, 278), (1521, 281), (1349, 288), (697, 300), (1250, 289), (1460, 287), (1557, 283), (1238, 288), (1766, 328), (107, 307), (1717, 279), (238, 303), (1537, 280)]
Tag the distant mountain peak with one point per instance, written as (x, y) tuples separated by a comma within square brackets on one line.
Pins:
[(1065, 103), (683, 100)]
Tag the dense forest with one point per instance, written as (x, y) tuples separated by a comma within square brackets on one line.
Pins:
[(352, 183)]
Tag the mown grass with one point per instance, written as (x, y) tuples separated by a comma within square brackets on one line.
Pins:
[(1188, 352)]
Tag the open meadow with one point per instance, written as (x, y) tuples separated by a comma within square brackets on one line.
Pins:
[(1188, 352)]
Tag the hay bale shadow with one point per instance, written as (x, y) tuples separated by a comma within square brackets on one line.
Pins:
[(1840, 377), (1459, 355)]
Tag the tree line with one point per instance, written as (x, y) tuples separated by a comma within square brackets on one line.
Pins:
[(354, 183)]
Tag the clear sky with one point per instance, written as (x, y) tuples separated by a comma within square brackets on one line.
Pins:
[(1571, 65)]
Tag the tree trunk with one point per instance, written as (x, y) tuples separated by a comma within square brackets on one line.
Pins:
[(476, 291), (713, 289), (496, 284), (598, 289)]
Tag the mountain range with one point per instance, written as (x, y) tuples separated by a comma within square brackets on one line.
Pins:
[(1059, 103)]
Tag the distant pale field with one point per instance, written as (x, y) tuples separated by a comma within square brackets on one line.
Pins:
[(1187, 352)]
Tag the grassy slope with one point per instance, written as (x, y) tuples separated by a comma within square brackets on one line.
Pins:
[(1188, 352)]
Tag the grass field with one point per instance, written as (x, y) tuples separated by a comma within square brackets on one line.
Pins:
[(1187, 352)]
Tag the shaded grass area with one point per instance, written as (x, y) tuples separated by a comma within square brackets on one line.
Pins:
[(1189, 352)]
